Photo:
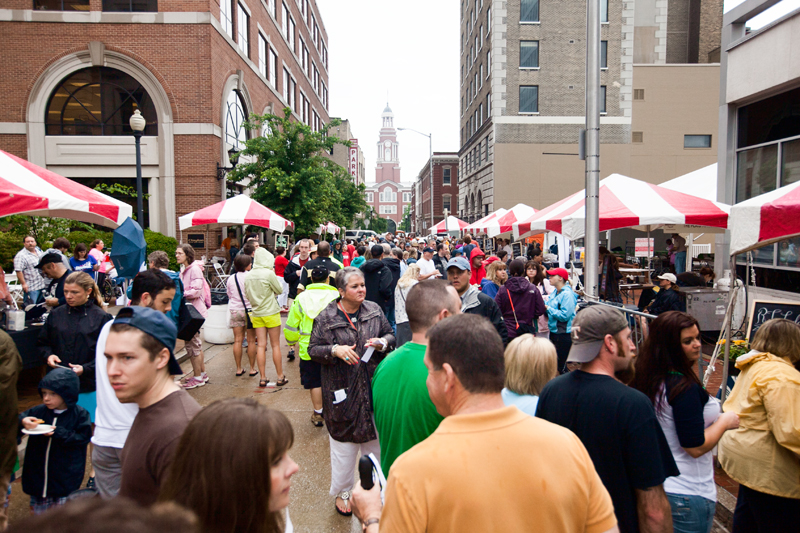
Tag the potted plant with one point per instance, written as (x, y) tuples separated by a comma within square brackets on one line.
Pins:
[(739, 347)]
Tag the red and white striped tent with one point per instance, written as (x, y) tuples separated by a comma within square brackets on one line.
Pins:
[(505, 223), (765, 219), (330, 227), (624, 203), (233, 212), (449, 224), (481, 222), (26, 189)]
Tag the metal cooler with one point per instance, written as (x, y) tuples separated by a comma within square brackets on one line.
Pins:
[(707, 305)]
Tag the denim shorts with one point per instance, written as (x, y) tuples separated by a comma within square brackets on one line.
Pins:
[(691, 514)]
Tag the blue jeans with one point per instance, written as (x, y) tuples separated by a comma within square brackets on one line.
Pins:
[(680, 262), (691, 514), (31, 297)]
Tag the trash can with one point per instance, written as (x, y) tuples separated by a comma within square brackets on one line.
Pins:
[(215, 329)]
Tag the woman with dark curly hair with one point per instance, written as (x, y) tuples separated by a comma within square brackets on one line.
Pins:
[(689, 417)]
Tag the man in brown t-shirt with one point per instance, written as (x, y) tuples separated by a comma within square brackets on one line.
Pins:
[(140, 365)]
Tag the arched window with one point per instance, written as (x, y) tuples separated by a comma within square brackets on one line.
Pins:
[(479, 207), (98, 101), (235, 116)]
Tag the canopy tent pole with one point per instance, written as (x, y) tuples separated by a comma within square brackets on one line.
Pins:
[(728, 334), (592, 143), (649, 252)]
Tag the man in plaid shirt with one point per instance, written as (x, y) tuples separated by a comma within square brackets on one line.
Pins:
[(29, 276)]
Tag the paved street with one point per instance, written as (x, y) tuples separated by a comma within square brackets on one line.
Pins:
[(312, 508)]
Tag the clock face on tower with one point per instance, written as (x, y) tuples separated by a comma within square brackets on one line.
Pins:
[(388, 144)]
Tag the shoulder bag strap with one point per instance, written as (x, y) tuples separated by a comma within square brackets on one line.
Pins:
[(512, 307), (236, 280)]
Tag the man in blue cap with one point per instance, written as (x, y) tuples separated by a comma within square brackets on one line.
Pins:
[(140, 366), (473, 301)]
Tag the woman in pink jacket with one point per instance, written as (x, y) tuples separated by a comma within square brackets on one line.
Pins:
[(196, 294)]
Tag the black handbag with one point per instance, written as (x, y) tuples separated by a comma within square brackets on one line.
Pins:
[(189, 321), (246, 310), (521, 328)]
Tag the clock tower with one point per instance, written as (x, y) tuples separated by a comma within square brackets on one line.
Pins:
[(388, 167)]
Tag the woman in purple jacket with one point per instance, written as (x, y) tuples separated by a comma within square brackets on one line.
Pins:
[(520, 302)]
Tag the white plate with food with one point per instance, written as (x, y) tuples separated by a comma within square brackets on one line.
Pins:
[(41, 429)]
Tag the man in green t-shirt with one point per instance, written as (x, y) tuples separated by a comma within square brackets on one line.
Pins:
[(404, 413)]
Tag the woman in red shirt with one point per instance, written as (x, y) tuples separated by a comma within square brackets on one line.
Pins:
[(280, 266)]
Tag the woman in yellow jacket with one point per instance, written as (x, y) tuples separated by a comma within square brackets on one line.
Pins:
[(763, 455), (262, 288)]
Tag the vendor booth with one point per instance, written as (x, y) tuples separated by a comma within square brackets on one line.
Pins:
[(451, 225)]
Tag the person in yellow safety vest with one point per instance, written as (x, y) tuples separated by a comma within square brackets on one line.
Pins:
[(305, 308)]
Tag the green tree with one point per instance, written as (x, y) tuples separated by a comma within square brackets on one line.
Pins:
[(290, 174), (405, 224), (372, 221)]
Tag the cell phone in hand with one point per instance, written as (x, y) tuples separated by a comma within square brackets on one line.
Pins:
[(365, 473)]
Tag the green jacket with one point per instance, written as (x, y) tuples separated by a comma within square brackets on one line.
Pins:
[(306, 307), (262, 286)]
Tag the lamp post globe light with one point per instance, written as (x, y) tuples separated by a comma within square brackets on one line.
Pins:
[(138, 124)]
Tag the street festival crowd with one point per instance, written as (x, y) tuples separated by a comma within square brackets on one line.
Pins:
[(485, 398)]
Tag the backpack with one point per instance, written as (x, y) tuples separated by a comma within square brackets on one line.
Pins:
[(206, 294)]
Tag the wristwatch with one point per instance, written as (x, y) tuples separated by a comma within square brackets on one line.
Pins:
[(371, 521), (333, 350)]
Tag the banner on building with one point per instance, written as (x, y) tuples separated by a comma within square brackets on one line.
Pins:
[(354, 158)]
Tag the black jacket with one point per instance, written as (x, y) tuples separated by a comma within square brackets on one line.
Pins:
[(71, 333), (378, 280), (291, 275), (475, 302), (62, 456), (667, 300), (305, 272), (393, 264)]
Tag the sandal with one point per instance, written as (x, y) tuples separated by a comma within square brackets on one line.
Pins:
[(345, 497), (239, 374), (262, 383), (253, 374), (282, 382)]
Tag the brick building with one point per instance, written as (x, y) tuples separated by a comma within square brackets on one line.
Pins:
[(388, 196), (77, 69), (352, 157), (523, 95), (445, 192)]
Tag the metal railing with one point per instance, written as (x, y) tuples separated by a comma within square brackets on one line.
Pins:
[(639, 322)]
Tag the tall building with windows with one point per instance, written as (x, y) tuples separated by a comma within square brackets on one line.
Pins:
[(522, 77), (196, 70), (388, 196), (445, 192), (349, 157)]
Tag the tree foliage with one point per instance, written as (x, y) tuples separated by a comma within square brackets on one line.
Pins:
[(405, 224), (289, 173), (372, 221)]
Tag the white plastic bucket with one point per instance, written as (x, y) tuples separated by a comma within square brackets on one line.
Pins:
[(215, 329)]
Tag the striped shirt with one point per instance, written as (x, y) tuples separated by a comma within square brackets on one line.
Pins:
[(26, 262)]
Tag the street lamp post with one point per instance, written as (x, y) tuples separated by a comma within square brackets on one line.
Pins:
[(430, 162), (138, 124)]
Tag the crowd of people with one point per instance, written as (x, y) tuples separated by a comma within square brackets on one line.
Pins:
[(489, 399)]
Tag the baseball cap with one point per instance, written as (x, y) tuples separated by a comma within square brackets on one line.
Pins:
[(460, 263), (414, 242), (313, 248), (428, 250), (319, 272), (50, 257), (589, 330), (668, 277), (155, 324), (559, 272)]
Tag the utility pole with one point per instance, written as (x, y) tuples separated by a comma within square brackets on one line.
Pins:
[(592, 142)]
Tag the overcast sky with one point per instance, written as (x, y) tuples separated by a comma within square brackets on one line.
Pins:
[(409, 50)]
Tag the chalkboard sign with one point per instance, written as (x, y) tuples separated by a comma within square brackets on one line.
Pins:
[(197, 240), (516, 248), (761, 311)]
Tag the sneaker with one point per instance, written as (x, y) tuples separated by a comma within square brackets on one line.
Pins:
[(193, 383), (317, 419), (290, 355), (204, 377)]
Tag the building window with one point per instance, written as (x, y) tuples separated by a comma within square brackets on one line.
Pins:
[(291, 35), (406, 197), (529, 11), (487, 149), (637, 137), (480, 36), (697, 141), (61, 5), (271, 7), (480, 77), (226, 16), (370, 198), (446, 176), (235, 116), (488, 21), (638, 94), (262, 55), (603, 10), (602, 99), (98, 101), (244, 30), (133, 6), (388, 210), (603, 54), (272, 67), (488, 63), (387, 195), (529, 99), (529, 54), (285, 20), (446, 202)]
